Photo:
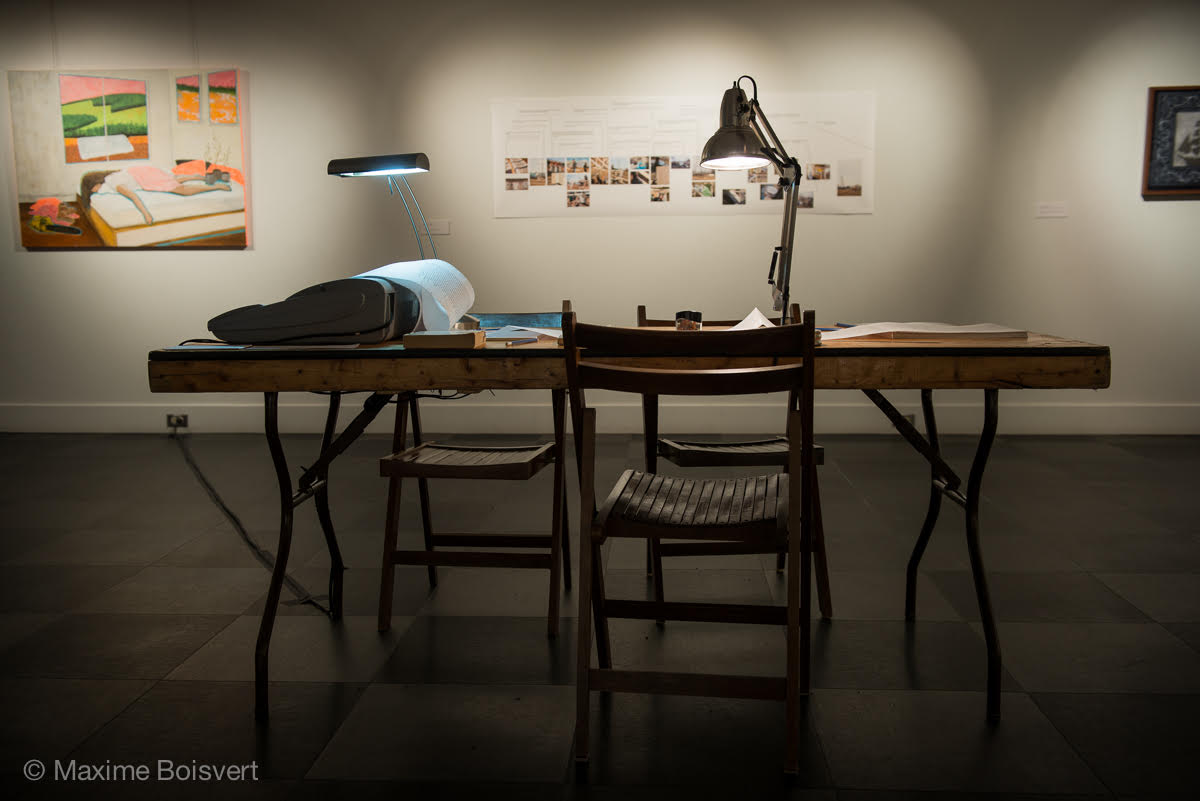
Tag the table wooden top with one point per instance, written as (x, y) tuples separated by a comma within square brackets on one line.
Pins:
[(1039, 361)]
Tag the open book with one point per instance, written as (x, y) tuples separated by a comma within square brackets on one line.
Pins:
[(923, 331)]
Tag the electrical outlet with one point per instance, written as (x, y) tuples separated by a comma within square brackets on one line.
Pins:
[(177, 421)]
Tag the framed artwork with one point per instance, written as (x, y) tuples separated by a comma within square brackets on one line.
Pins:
[(1172, 166), (138, 158)]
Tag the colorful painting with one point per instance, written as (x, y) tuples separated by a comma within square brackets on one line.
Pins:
[(187, 98), (103, 119), (223, 97), (101, 161)]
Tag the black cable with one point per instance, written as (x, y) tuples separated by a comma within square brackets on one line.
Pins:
[(265, 557)]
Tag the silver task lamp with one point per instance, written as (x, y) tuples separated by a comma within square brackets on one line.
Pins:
[(740, 144)]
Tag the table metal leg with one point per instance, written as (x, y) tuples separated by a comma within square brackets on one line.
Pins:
[(974, 481), (945, 483), (931, 514), (336, 566), (261, 648)]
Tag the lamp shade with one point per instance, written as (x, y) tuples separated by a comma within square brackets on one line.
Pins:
[(735, 145), (396, 164)]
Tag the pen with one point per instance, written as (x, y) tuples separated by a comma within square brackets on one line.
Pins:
[(531, 340)]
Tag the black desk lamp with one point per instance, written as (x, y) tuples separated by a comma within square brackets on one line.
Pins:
[(394, 166), (739, 144)]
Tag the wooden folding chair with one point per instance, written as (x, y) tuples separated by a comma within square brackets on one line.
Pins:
[(771, 452), (759, 511), (431, 460)]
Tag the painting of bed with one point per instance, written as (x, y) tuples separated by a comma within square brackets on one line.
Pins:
[(131, 158)]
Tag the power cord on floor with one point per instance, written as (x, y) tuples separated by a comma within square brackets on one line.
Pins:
[(265, 557)]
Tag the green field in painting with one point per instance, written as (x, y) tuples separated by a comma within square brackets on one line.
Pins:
[(129, 120)]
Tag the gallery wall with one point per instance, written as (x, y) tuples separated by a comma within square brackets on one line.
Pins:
[(983, 111)]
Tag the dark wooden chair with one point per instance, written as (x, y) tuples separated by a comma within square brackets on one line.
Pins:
[(763, 512), (770, 452), (431, 460)]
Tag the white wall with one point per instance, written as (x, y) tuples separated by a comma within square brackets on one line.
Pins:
[(984, 109)]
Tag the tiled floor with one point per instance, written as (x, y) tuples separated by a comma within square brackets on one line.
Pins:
[(129, 609)]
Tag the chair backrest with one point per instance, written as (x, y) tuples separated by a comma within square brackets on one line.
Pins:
[(654, 322), (669, 362)]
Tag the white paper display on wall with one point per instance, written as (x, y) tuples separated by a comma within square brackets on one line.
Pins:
[(616, 156)]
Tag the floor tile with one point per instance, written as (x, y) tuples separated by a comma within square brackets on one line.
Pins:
[(46, 718), (454, 733), (56, 588), (941, 741), (1165, 597), (703, 744), (1188, 632), (485, 591), (872, 595), (752, 650), (1137, 744), (857, 654), (220, 726), (109, 547), (360, 591), (110, 646), (482, 650), (308, 649), (1098, 657), (183, 590), (1038, 597), (705, 586), (16, 626), (222, 546)]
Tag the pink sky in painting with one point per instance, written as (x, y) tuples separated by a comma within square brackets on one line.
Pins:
[(82, 87), (224, 80), (188, 80)]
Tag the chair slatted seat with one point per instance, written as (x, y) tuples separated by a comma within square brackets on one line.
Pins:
[(771, 452), (432, 460)]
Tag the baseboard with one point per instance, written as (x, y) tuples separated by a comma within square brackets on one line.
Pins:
[(306, 414)]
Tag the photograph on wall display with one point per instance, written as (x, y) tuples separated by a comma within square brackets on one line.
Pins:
[(129, 158), (556, 169), (577, 180), (639, 176), (681, 162), (733, 197), (818, 172), (660, 194), (516, 184), (702, 172), (578, 199), (639, 162), (703, 189), (804, 200), (849, 182), (516, 166), (661, 169), (537, 172), (770, 192), (619, 170), (600, 170), (1172, 163), (756, 175), (577, 164)]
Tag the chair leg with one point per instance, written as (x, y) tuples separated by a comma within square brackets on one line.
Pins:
[(566, 540), (821, 561), (423, 491), (584, 647), (392, 522), (659, 589), (559, 399), (556, 531), (603, 641)]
